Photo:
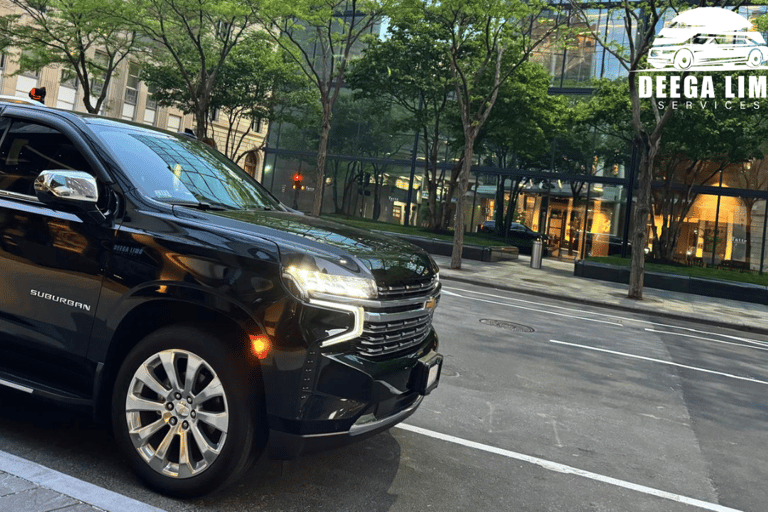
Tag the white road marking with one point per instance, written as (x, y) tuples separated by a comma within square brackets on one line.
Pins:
[(660, 361), (586, 319), (608, 315), (568, 470), (759, 345), (78, 489)]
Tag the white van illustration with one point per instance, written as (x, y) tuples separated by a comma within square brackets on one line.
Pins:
[(708, 38)]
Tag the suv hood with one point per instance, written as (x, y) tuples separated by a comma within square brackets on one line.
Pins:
[(388, 259)]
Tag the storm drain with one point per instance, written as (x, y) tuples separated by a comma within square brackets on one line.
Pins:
[(512, 326)]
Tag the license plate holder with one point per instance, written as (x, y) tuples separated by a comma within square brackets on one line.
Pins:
[(430, 369)]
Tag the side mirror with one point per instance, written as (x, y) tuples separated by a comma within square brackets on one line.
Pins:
[(65, 187)]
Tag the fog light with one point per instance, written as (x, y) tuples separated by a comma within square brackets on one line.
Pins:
[(260, 345)]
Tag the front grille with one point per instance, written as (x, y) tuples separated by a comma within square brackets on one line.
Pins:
[(407, 290), (387, 338), (401, 320)]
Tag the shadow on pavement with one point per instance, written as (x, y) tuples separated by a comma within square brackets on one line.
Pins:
[(354, 477)]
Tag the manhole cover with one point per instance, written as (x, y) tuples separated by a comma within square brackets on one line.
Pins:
[(506, 325)]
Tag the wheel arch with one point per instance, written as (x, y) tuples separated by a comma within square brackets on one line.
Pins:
[(153, 315)]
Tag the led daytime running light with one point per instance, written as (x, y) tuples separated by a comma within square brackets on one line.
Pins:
[(313, 282)]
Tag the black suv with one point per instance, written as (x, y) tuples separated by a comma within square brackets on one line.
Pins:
[(147, 277)]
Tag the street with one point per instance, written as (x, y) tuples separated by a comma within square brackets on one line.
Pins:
[(542, 405)]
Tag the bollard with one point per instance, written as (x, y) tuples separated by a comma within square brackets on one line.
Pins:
[(536, 253)]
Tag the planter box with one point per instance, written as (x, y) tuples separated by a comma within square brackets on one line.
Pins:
[(504, 253), (732, 290)]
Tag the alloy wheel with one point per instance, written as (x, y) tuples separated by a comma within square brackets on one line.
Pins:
[(177, 413)]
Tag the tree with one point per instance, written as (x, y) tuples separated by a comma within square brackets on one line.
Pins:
[(90, 38), (640, 21), (519, 131), (752, 175), (255, 84), (409, 67), (321, 36), (698, 144), (194, 39), (487, 41), (367, 128)]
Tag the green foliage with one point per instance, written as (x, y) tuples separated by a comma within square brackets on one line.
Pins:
[(408, 66), (696, 131), (367, 127), (194, 39), (524, 120), (69, 33), (255, 82), (321, 37)]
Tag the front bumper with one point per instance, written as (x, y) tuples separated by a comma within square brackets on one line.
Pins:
[(287, 446), (353, 413)]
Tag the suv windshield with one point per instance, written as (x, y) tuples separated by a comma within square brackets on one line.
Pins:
[(179, 170)]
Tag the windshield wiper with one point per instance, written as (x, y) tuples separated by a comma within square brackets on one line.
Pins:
[(199, 205)]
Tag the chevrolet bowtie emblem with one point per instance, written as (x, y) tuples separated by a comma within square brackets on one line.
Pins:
[(431, 303)]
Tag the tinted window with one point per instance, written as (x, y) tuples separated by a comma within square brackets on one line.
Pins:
[(177, 169), (27, 149)]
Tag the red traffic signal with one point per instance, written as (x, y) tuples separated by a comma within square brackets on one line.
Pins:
[(297, 178)]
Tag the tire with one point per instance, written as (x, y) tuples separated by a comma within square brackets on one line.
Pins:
[(754, 59), (683, 59), (186, 438)]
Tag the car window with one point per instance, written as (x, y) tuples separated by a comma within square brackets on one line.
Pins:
[(174, 169), (29, 148)]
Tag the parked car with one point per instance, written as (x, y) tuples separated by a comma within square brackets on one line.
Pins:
[(520, 235), (149, 279)]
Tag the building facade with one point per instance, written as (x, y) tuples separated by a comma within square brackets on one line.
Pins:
[(127, 98)]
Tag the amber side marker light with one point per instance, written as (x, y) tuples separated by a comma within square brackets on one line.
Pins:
[(260, 345)]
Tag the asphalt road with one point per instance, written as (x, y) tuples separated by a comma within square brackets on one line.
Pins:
[(542, 406)]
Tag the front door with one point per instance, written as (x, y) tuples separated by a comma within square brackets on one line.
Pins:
[(50, 262)]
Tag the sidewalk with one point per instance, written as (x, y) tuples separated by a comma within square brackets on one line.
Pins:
[(29, 487), (555, 280)]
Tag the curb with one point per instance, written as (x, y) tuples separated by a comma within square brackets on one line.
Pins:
[(80, 490), (590, 302)]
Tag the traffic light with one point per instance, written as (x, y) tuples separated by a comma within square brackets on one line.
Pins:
[(37, 94), (297, 179)]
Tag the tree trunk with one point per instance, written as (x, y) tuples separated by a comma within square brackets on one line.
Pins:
[(322, 152), (432, 202), (748, 204), (498, 215), (336, 207), (201, 120), (448, 199), (463, 186), (640, 218)]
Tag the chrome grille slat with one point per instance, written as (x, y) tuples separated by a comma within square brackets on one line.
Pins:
[(398, 321), (390, 334)]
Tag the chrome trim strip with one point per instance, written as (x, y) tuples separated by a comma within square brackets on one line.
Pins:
[(357, 328), (377, 318), (362, 428), (16, 195), (377, 304), (13, 385)]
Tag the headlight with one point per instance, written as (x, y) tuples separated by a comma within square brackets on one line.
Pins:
[(312, 282)]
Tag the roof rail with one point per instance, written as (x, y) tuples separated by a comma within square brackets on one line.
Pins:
[(16, 99)]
